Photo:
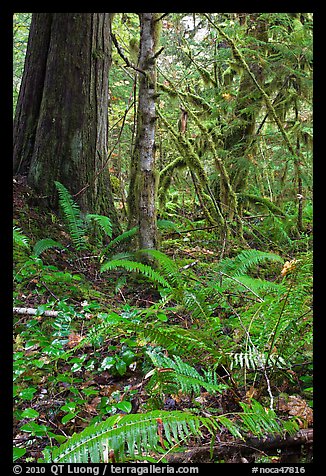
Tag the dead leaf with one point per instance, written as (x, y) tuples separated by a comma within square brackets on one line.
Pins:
[(298, 408), (288, 267), (73, 339)]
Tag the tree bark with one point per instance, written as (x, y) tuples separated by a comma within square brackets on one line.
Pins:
[(65, 137), (31, 90)]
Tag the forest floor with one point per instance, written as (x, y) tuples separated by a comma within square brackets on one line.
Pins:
[(61, 387)]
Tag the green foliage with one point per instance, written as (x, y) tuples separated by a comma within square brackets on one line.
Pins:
[(72, 217), (19, 238), (103, 221), (173, 374), (133, 437), (253, 360), (123, 237), (246, 260), (168, 276), (129, 436), (133, 266), (45, 244)]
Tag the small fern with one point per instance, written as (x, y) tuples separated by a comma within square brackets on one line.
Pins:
[(45, 244), (19, 238), (133, 266), (245, 260), (253, 359), (181, 376), (129, 436), (167, 267), (125, 236), (195, 303), (103, 221), (72, 216)]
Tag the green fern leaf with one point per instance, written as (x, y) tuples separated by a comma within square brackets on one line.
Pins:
[(186, 377), (167, 225), (258, 420), (72, 216), (103, 221), (45, 244), (196, 305), (186, 341), (167, 266), (129, 436), (239, 265), (257, 285), (127, 235), (134, 266), (19, 238)]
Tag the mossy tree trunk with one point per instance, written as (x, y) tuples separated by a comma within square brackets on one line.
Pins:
[(239, 139), (143, 179), (61, 122)]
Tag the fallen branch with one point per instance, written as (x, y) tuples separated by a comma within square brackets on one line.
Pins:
[(29, 311), (268, 445)]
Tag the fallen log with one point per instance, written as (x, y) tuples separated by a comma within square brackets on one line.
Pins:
[(227, 449)]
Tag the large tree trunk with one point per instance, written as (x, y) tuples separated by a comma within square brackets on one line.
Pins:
[(143, 189), (31, 90), (65, 138)]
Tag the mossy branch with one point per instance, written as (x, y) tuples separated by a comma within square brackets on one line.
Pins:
[(193, 162), (193, 98)]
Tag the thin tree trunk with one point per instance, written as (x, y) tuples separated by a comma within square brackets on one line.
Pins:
[(143, 187)]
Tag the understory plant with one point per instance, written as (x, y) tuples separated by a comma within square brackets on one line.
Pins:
[(123, 438)]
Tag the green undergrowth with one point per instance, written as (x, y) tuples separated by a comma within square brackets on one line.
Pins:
[(142, 359)]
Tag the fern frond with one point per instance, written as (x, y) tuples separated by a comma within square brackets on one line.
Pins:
[(245, 260), (195, 303), (72, 216), (167, 266), (136, 435), (45, 244), (176, 339), (260, 285), (129, 436), (185, 377), (167, 225), (19, 238), (127, 235), (253, 359), (258, 420), (134, 266), (103, 221)]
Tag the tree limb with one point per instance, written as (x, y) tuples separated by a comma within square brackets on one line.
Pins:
[(29, 311), (266, 445)]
